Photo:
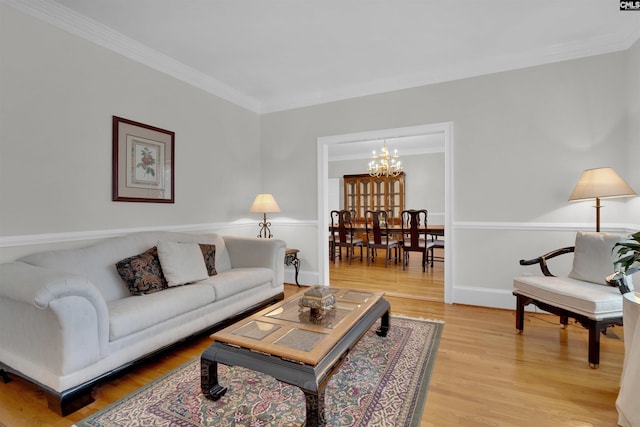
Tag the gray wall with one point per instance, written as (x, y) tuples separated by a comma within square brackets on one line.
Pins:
[(58, 94), (521, 139)]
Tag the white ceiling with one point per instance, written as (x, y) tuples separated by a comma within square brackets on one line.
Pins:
[(271, 55), (406, 146)]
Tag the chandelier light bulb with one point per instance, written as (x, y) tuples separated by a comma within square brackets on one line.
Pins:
[(388, 165)]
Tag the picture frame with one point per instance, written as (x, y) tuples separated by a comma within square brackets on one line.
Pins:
[(143, 162)]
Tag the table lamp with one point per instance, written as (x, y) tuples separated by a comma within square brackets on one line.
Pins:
[(264, 203), (600, 183)]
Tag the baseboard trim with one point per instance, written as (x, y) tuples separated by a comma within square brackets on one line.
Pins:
[(484, 297)]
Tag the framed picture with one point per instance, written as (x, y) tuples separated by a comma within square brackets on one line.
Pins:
[(142, 162)]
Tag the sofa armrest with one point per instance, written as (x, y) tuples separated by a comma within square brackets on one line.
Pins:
[(542, 260), (255, 252), (54, 323)]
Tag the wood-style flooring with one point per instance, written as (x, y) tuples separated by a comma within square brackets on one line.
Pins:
[(484, 375)]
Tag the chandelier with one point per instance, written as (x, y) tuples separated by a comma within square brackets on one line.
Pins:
[(384, 164)]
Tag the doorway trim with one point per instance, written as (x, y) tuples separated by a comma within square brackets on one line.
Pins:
[(446, 128)]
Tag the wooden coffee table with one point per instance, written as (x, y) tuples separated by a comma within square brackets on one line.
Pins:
[(286, 342)]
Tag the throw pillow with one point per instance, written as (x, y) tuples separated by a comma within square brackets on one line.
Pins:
[(142, 273), (182, 263), (593, 257), (209, 254)]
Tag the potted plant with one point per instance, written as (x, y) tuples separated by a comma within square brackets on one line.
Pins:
[(627, 263)]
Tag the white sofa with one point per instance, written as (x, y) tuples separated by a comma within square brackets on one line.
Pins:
[(68, 320)]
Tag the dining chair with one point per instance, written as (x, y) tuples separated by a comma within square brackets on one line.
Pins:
[(378, 236), (414, 236), (342, 224), (438, 243)]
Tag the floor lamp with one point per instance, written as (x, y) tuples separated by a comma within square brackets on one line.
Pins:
[(600, 183), (264, 203)]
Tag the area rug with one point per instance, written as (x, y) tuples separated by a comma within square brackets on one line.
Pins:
[(383, 382)]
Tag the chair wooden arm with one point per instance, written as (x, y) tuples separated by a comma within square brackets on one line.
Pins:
[(542, 260)]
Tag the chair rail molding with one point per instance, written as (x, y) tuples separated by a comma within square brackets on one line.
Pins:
[(543, 226), (71, 236)]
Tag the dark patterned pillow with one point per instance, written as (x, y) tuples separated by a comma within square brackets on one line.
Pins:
[(209, 254), (142, 273)]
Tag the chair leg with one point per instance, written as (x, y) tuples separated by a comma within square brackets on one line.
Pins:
[(519, 314), (595, 330), (564, 321)]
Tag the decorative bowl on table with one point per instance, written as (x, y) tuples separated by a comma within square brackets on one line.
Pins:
[(319, 300)]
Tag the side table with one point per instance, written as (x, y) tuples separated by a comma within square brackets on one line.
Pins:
[(291, 258)]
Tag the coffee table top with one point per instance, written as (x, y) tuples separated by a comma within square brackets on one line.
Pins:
[(288, 331)]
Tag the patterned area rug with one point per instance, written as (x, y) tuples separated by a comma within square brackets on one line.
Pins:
[(383, 382)]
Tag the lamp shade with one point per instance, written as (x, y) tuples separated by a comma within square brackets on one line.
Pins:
[(264, 203), (600, 183)]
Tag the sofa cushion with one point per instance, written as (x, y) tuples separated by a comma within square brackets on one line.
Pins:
[(209, 254), (237, 280), (136, 313), (590, 299), (593, 258), (182, 263), (142, 273)]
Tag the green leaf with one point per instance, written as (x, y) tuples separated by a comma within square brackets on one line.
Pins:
[(628, 254)]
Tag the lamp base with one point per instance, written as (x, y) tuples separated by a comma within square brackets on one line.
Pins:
[(265, 231)]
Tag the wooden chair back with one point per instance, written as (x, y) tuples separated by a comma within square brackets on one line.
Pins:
[(343, 220), (377, 226), (414, 229)]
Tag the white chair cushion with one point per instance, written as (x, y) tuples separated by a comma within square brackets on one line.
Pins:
[(592, 300), (593, 257)]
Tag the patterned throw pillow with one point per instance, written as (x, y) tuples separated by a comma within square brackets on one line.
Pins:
[(142, 273), (209, 254)]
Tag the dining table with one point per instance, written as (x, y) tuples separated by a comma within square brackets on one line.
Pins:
[(434, 230)]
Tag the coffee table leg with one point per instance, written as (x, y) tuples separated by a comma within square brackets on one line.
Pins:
[(209, 380), (315, 409), (384, 325)]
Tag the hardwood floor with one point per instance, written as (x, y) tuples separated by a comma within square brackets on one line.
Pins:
[(484, 375), (487, 375)]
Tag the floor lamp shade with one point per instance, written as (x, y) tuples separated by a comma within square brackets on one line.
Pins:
[(264, 203), (600, 183)]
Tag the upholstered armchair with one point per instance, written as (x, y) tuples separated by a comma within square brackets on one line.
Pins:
[(583, 295)]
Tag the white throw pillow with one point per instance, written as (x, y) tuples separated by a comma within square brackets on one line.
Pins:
[(181, 262), (593, 257)]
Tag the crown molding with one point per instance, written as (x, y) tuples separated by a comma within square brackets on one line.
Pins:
[(486, 66), (95, 32)]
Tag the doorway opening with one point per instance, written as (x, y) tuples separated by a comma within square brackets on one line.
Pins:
[(444, 129)]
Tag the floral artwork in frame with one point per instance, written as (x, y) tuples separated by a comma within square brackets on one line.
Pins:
[(142, 162)]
